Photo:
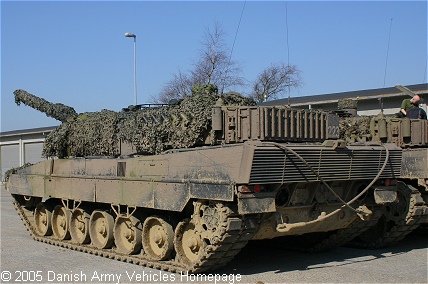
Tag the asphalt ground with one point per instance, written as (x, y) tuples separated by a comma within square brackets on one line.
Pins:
[(24, 260)]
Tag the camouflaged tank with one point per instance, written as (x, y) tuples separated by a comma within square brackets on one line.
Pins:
[(184, 187), (409, 211)]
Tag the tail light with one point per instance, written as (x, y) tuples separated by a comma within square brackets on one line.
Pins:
[(391, 181), (250, 188)]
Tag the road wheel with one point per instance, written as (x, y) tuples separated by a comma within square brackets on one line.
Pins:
[(43, 219), (101, 229), (158, 238), (60, 222), (127, 234)]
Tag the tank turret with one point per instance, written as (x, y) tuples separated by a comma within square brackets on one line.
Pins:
[(136, 129)]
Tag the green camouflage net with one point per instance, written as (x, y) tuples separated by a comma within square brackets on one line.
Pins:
[(354, 129), (146, 130), (58, 111), (346, 104)]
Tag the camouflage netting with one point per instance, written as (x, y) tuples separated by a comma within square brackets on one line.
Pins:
[(346, 104), (149, 130), (354, 128), (58, 111), (13, 171)]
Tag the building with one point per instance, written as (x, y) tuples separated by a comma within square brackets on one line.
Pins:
[(19, 147), (369, 101), (25, 146)]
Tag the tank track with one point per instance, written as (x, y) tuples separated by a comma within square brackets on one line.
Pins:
[(417, 215), (230, 242), (423, 229)]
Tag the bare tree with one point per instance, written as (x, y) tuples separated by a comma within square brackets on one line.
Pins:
[(273, 81), (179, 87), (213, 66)]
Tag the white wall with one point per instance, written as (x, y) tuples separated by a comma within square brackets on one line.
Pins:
[(19, 151)]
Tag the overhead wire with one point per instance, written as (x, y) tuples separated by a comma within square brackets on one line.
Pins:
[(387, 53), (233, 46), (288, 51)]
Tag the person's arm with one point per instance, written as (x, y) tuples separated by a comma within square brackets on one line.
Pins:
[(403, 107)]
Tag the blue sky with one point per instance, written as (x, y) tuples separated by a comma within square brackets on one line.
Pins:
[(76, 53)]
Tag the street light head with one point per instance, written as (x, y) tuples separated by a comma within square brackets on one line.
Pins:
[(130, 35)]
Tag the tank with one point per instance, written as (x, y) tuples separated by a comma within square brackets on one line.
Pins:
[(410, 210), (184, 187)]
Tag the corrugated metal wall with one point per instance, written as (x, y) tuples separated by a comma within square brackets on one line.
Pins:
[(9, 157), (15, 153)]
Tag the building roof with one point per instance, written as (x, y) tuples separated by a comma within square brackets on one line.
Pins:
[(421, 89), (27, 131)]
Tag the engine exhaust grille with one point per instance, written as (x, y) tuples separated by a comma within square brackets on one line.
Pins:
[(275, 165)]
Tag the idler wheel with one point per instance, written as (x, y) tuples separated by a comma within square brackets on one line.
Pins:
[(79, 226), (158, 238), (60, 222), (188, 243), (398, 210), (43, 219), (101, 229), (127, 234)]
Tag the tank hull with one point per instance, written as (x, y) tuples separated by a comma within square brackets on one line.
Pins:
[(169, 181), (186, 209)]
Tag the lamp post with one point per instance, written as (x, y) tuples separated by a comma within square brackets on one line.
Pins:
[(135, 64)]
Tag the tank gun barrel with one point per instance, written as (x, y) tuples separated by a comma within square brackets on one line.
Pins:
[(405, 90), (58, 111)]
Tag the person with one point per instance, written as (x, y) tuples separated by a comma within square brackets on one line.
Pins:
[(416, 113), (408, 104)]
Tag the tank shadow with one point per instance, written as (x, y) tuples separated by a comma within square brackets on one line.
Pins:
[(274, 258)]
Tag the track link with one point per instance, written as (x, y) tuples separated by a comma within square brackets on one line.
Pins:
[(231, 241)]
